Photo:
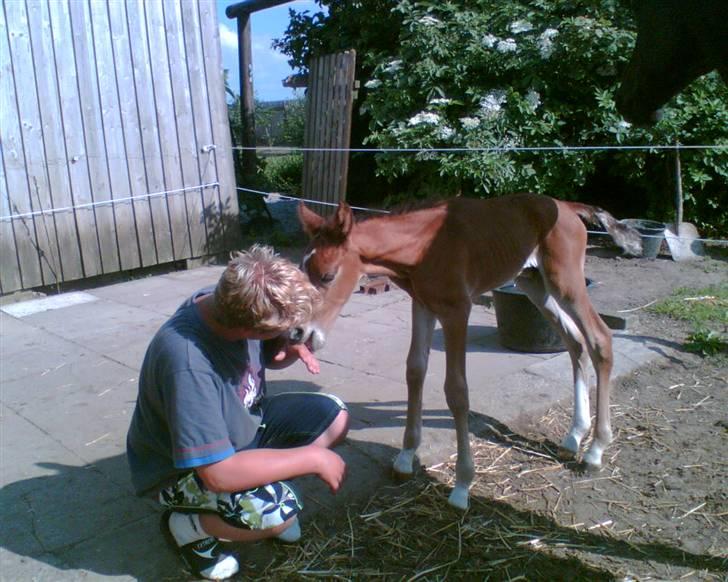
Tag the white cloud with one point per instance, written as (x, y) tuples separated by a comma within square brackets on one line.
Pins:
[(228, 37)]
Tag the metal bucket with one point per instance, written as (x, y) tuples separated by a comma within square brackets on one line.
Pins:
[(653, 233), (521, 327)]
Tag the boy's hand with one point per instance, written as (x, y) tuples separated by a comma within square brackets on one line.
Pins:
[(331, 468), (301, 352)]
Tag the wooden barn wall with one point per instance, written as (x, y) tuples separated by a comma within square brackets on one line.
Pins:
[(114, 138), (328, 127)]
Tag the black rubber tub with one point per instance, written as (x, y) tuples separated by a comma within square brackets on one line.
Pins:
[(521, 327)]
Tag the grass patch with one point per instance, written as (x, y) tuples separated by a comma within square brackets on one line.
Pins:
[(707, 310)]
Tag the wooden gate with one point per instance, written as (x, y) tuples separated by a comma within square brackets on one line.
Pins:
[(115, 138), (328, 128)]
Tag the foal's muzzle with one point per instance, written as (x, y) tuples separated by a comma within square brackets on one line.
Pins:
[(297, 335), (313, 337)]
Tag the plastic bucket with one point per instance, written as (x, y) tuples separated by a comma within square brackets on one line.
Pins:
[(653, 233), (521, 326)]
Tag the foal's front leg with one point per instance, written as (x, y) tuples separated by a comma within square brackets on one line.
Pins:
[(423, 325)]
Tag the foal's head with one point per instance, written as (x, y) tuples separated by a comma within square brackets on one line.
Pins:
[(332, 265)]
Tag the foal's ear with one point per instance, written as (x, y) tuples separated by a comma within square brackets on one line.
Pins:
[(310, 221), (344, 218)]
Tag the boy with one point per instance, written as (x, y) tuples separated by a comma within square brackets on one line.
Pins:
[(206, 440)]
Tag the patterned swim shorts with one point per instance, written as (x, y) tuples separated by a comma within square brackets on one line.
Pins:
[(260, 508)]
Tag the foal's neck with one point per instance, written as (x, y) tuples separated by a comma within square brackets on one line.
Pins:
[(397, 242)]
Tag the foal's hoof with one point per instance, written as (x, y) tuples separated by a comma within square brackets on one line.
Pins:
[(593, 458), (590, 468), (404, 464), (566, 454), (459, 498), (569, 448), (401, 477)]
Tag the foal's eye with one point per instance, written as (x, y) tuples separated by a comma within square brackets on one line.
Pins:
[(326, 278)]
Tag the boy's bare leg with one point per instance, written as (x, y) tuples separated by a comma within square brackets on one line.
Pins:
[(335, 433), (215, 526)]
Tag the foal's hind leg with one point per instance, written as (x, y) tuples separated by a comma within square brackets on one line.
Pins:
[(572, 297), (423, 325), (531, 283)]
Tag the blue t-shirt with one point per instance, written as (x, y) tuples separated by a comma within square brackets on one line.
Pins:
[(198, 399)]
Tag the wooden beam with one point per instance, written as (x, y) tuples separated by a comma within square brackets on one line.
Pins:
[(247, 102), (250, 6)]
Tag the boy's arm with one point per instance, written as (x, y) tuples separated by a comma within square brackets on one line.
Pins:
[(256, 467)]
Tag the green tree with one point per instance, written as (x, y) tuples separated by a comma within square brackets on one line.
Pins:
[(517, 73)]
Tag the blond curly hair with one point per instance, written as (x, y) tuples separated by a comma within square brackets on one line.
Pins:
[(263, 292)]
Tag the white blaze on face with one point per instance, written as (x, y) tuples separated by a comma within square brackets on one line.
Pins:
[(306, 259)]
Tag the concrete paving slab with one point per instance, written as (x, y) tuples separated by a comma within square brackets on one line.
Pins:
[(90, 322), (152, 557), (28, 453), (41, 568), (36, 353)]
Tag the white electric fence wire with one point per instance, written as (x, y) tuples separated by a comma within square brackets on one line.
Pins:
[(489, 149), (109, 202)]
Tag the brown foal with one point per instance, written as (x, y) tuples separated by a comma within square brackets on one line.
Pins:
[(446, 255)]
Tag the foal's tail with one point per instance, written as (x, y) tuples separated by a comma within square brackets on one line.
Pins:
[(626, 237)]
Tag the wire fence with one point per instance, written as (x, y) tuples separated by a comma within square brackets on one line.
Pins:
[(490, 149)]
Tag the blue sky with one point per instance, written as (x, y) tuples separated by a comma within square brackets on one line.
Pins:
[(269, 66)]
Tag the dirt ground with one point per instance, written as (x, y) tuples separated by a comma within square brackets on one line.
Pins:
[(658, 510)]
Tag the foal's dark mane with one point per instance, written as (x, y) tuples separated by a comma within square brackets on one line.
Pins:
[(418, 204), (402, 208)]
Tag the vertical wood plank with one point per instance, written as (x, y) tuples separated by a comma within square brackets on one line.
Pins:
[(188, 146), (327, 110), (59, 182), (228, 220), (314, 121), (93, 135), (20, 125), (131, 136), (209, 208), (13, 184), (307, 138), (9, 264), (111, 133), (75, 149), (143, 83), (166, 114), (319, 168), (349, 79), (328, 125)]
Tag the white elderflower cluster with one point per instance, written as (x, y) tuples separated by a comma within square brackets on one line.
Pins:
[(506, 45), (469, 122), (373, 84), (546, 42), (533, 98), (424, 118), (393, 66), (492, 103), (490, 40), (445, 132), (520, 26), (429, 20)]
